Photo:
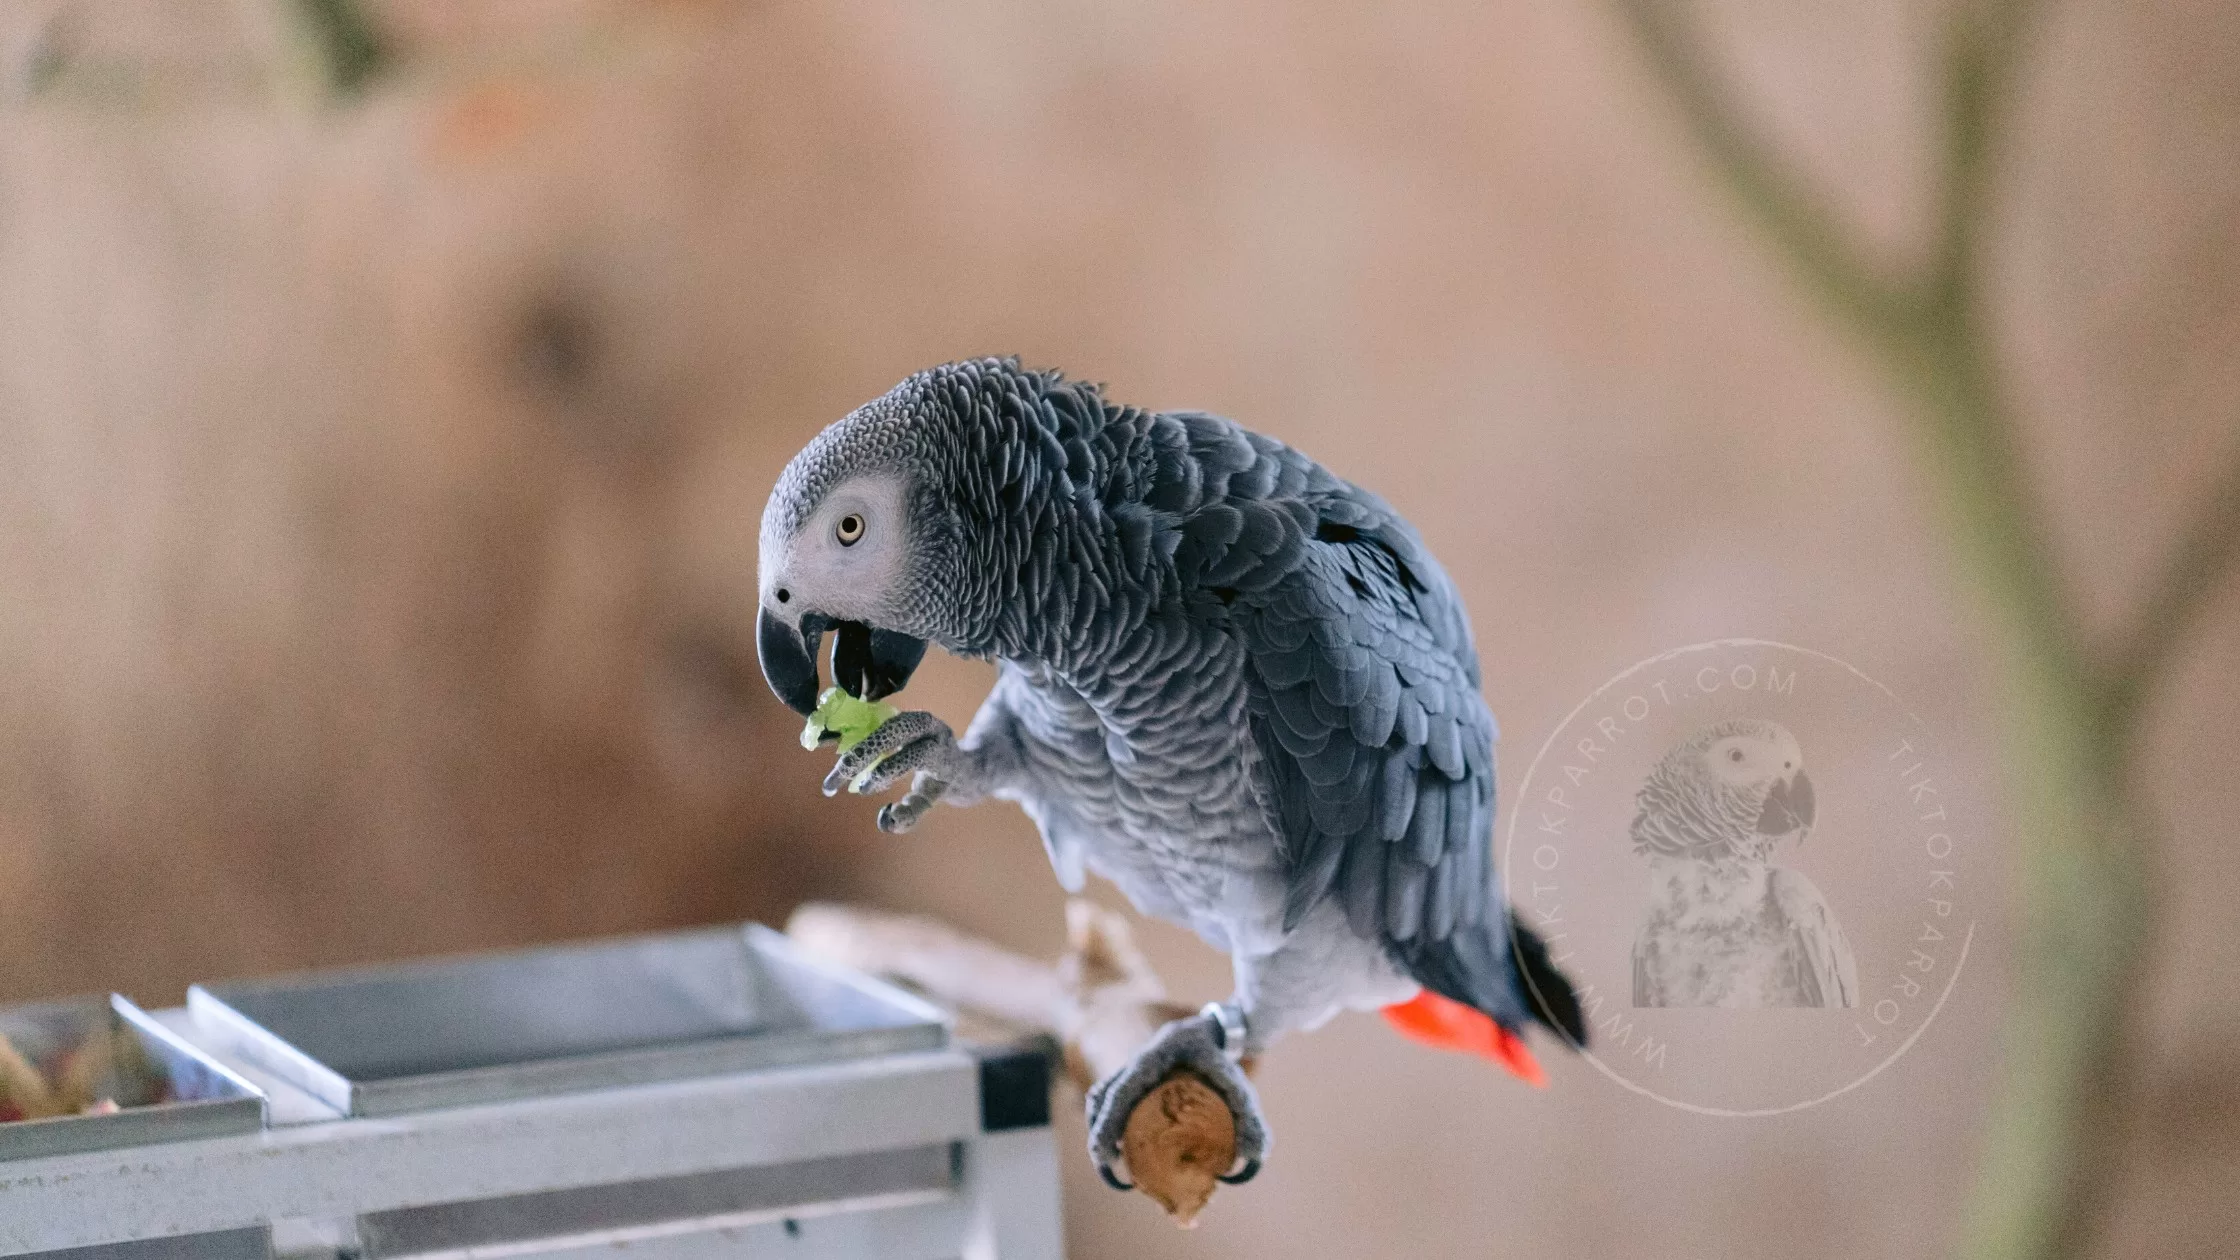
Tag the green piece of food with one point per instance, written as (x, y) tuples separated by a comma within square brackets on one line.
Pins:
[(841, 714)]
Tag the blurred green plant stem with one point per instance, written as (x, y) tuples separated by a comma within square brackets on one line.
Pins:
[(2084, 840), (344, 49)]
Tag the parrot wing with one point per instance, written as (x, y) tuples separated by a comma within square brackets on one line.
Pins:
[(1826, 974), (1377, 745)]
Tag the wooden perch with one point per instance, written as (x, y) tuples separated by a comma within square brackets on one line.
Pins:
[(1101, 1001)]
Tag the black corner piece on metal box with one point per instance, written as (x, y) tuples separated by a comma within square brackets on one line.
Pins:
[(1015, 1085)]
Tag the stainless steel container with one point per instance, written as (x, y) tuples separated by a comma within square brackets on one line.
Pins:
[(446, 1033), (173, 1092)]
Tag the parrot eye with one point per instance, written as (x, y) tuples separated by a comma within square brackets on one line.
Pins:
[(1734, 754), (849, 530)]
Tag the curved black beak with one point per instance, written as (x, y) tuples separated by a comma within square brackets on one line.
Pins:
[(789, 662), (1788, 806), (866, 663)]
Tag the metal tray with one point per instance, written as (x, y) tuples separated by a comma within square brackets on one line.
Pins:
[(253, 1243), (453, 1032), (206, 1100), (582, 1218)]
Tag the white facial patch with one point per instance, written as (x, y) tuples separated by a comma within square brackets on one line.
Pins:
[(847, 558)]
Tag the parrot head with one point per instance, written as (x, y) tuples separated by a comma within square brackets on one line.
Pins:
[(1735, 788), (867, 535), (839, 548), (839, 569), (936, 514)]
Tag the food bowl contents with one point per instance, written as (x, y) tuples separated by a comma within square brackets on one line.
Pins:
[(842, 716), (103, 1070)]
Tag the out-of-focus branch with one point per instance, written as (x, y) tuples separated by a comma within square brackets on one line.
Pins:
[(1941, 352), (2207, 550), (2084, 848), (1101, 1000), (1926, 330), (343, 41), (1776, 198), (1983, 46)]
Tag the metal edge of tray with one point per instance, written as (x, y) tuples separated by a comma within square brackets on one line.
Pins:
[(233, 1033), (916, 1025), (244, 1106), (620, 1069), (251, 1242), (241, 1111), (356, 973)]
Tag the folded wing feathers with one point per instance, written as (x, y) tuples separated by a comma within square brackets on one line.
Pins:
[(1379, 784)]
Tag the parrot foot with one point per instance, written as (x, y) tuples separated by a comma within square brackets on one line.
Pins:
[(897, 817), (907, 742), (1201, 1043), (915, 744)]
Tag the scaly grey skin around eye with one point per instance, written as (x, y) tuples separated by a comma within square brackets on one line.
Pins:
[(1233, 684)]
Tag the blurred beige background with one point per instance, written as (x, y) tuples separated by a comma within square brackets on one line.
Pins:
[(379, 480)]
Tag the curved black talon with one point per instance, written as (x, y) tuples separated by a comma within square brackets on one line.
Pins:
[(1251, 1169), (1105, 1171)]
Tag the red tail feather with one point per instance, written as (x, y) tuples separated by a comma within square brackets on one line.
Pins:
[(1449, 1025)]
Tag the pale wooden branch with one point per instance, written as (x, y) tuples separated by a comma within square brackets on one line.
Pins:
[(934, 958), (1101, 1000)]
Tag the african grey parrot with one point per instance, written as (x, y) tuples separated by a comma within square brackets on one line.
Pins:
[(1228, 681), (1724, 926)]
